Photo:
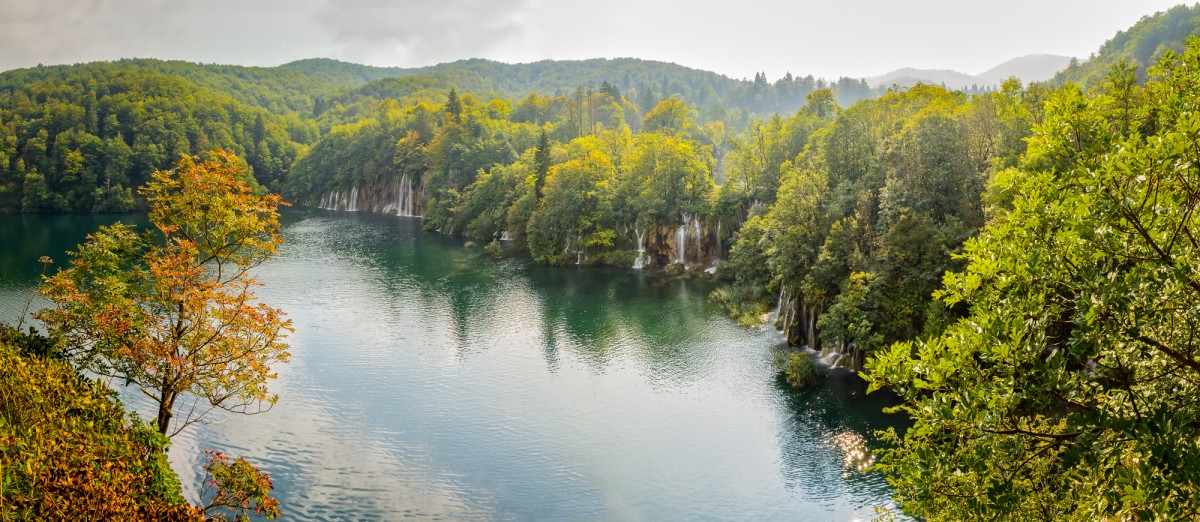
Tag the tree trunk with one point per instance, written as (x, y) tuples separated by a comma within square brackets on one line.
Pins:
[(166, 403)]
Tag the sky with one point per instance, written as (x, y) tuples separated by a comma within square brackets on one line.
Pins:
[(825, 38)]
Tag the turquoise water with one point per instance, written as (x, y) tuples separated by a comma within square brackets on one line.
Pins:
[(429, 380)]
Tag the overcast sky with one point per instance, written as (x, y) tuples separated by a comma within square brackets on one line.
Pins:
[(828, 38)]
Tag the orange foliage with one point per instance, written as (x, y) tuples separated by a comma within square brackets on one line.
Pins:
[(171, 309)]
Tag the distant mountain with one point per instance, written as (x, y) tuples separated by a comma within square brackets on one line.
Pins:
[(908, 76), (1032, 68), (1140, 45)]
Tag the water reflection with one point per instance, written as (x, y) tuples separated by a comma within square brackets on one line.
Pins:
[(26, 238), (430, 380), (831, 430)]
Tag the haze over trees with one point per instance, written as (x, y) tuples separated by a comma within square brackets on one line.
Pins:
[(1140, 46)]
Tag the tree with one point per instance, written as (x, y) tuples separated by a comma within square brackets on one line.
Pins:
[(668, 117), (454, 106), (171, 309), (1072, 388), (576, 211), (541, 161)]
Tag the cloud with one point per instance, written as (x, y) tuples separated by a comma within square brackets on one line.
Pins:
[(420, 32), (66, 31)]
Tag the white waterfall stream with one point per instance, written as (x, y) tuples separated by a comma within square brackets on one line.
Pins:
[(401, 202), (406, 203), (640, 262), (681, 243)]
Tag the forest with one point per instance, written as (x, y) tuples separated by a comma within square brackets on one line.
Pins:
[(1017, 264)]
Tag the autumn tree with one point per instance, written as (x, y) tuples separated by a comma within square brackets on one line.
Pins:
[(171, 309)]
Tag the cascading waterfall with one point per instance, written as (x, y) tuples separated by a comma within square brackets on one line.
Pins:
[(398, 197), (640, 262), (689, 228), (406, 204), (680, 243), (833, 358)]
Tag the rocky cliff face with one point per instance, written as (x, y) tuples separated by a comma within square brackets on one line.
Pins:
[(397, 195), (694, 242)]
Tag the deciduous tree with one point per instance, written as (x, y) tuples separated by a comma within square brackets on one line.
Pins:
[(1071, 390), (171, 310)]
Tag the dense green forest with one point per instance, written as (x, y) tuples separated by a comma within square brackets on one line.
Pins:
[(79, 138), (1141, 46), (1068, 389), (1018, 264)]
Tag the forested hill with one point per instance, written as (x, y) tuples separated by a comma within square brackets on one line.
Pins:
[(645, 82), (1141, 45), (82, 137)]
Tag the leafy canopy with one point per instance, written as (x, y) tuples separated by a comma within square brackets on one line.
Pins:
[(1072, 389), (171, 309)]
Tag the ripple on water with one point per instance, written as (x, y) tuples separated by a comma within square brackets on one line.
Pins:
[(429, 381)]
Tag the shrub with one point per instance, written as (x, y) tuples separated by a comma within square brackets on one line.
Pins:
[(66, 452), (799, 370)]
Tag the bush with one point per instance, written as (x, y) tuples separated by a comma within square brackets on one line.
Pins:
[(798, 369), (493, 249), (675, 269), (743, 302), (28, 344), (66, 452)]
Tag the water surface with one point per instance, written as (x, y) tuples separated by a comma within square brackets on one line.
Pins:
[(429, 380)]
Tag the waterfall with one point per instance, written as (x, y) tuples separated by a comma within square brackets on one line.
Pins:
[(680, 243), (405, 201), (352, 205), (779, 306), (681, 236), (640, 262), (696, 236), (504, 236), (833, 358)]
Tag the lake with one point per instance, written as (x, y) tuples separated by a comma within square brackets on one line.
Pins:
[(429, 380)]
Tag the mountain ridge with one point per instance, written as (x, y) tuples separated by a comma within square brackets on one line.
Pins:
[(1029, 68)]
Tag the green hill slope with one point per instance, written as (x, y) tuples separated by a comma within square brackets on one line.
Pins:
[(1140, 45)]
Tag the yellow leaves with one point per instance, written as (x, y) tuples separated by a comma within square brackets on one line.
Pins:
[(175, 300)]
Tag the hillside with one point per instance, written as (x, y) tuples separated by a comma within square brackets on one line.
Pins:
[(80, 138), (908, 76), (643, 81), (1140, 45)]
